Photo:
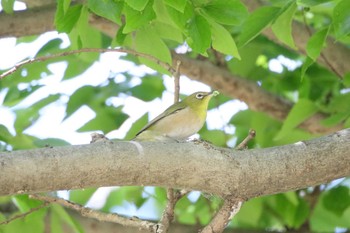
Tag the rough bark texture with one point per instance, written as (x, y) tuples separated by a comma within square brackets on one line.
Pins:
[(193, 166)]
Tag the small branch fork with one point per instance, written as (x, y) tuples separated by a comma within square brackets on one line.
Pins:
[(88, 50), (168, 213)]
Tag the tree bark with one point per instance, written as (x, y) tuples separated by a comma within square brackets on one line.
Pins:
[(192, 166)]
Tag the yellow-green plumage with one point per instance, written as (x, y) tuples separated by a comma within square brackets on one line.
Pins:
[(180, 120)]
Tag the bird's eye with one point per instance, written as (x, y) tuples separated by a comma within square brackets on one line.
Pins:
[(199, 96)]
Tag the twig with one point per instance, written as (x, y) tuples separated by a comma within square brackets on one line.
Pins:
[(168, 213), (104, 217), (329, 64), (25, 214), (172, 195), (228, 210), (96, 137), (244, 143), (177, 81), (88, 50)]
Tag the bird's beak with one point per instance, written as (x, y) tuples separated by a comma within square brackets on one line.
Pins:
[(214, 93)]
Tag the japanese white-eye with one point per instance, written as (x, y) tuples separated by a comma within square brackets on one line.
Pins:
[(180, 120)]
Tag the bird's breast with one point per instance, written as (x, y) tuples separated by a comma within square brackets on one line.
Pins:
[(179, 125)]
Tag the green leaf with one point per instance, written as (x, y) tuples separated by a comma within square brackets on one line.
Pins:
[(250, 213), (49, 47), (148, 41), (301, 214), (136, 19), (136, 127), (199, 34), (107, 120), (108, 9), (50, 142), (81, 196), (346, 81), (341, 19), (307, 63), (216, 137), (80, 97), (181, 19), (347, 123), (66, 218), (335, 119), (324, 220), (55, 223), (289, 208), (22, 141), (242, 118), (282, 27), (151, 87), (66, 21), (162, 14), (85, 36), (14, 95), (178, 4), (76, 66), (300, 112), (231, 12), (131, 194), (309, 3), (256, 22), (169, 32), (5, 134), (316, 43), (337, 200), (138, 5), (7, 5), (115, 198), (222, 40), (184, 211), (27, 116), (24, 203), (66, 4)]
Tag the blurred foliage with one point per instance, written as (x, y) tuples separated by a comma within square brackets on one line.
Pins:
[(156, 27)]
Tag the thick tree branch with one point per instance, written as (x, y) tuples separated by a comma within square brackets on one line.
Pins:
[(191, 166)]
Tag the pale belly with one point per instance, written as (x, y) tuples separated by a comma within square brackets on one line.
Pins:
[(179, 125)]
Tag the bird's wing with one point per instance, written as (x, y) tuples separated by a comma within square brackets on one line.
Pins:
[(171, 110)]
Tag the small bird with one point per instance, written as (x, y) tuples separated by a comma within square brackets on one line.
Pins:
[(180, 120)]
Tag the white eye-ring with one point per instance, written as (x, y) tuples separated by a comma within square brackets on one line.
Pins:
[(199, 96)]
